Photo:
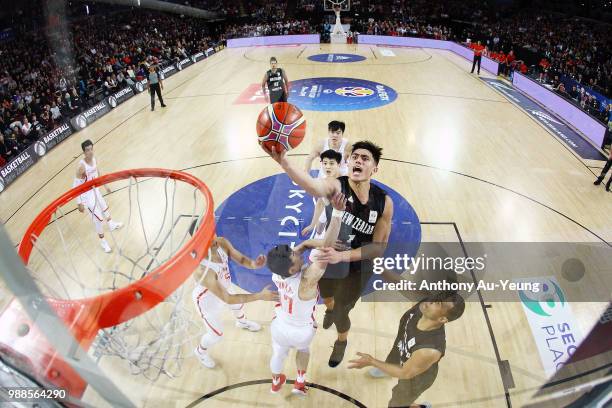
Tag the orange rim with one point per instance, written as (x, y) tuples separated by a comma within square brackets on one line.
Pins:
[(86, 316)]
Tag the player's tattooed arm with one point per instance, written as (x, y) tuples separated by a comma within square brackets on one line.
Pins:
[(239, 257), (418, 363), (316, 187)]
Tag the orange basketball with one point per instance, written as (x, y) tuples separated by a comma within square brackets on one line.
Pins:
[(281, 125)]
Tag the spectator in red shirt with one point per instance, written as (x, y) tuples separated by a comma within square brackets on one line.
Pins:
[(501, 59), (478, 49)]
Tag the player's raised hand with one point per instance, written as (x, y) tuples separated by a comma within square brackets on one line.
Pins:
[(278, 156), (267, 294), (338, 201), (259, 262), (364, 360)]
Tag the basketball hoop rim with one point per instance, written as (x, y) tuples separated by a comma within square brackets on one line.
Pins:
[(112, 308)]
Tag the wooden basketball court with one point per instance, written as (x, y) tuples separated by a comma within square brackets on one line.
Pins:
[(473, 166)]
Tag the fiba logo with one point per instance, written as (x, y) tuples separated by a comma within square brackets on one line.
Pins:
[(139, 86), (81, 121), (1, 185), (354, 91), (40, 148), (112, 101)]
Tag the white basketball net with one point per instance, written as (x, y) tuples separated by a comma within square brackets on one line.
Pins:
[(68, 263)]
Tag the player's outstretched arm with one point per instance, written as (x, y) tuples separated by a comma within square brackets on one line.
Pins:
[(317, 268), (315, 187), (418, 363), (210, 281), (314, 153), (319, 207), (239, 257)]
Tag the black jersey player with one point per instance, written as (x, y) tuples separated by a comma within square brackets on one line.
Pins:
[(365, 230), (276, 81)]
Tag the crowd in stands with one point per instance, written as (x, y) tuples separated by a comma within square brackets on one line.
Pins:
[(46, 79), (263, 29), (40, 88)]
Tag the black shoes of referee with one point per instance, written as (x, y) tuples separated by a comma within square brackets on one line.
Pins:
[(599, 180)]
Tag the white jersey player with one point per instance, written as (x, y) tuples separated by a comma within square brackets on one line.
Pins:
[(294, 325), (334, 141), (213, 294), (330, 163), (92, 200)]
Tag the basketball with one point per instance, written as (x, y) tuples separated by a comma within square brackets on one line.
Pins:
[(282, 126)]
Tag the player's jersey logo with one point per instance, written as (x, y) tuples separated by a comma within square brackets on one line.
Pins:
[(354, 91)]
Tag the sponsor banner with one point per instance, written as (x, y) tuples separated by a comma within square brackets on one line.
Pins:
[(274, 210), (339, 94), (386, 52), (573, 115), (141, 85), (52, 139), (198, 57), (337, 58), (403, 41), (552, 323), (274, 40), (252, 95), (209, 52), (119, 97), (167, 71), (17, 166), (555, 125), (184, 63), (90, 115), (389, 41)]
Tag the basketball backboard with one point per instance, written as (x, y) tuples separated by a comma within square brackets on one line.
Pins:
[(329, 5)]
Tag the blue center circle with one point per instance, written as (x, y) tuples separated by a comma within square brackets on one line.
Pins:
[(273, 211), (332, 94), (337, 58)]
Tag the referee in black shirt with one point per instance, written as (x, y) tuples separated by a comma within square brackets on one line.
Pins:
[(155, 87), (417, 349)]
